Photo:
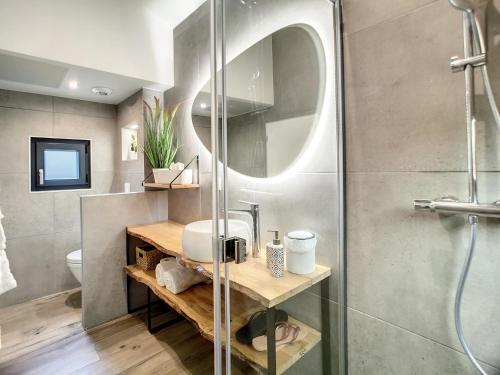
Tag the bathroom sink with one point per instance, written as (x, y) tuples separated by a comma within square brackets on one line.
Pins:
[(197, 238)]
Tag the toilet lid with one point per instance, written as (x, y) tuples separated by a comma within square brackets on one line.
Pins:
[(74, 257)]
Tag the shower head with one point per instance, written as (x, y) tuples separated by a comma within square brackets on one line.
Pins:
[(476, 9), (469, 5)]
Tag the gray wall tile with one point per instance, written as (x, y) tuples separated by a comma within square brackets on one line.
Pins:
[(405, 114), (84, 108), (359, 14), (16, 127), (102, 182), (65, 243), (104, 222), (24, 100), (26, 214), (181, 212), (404, 265), (134, 179), (105, 228), (130, 112), (67, 211), (404, 109), (101, 132), (379, 348), (52, 219), (105, 268), (32, 264)]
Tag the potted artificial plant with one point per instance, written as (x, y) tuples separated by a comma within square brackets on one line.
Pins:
[(160, 142)]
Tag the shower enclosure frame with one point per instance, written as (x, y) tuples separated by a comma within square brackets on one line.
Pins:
[(219, 183), (341, 186)]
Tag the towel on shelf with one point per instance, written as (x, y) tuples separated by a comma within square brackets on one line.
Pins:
[(162, 267), (3, 240), (175, 277), (7, 281)]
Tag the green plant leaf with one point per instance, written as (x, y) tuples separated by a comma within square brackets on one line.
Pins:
[(160, 143)]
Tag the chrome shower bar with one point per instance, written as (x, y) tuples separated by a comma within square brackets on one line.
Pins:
[(449, 206)]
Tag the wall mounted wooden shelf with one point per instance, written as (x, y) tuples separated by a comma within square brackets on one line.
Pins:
[(152, 185), (196, 304)]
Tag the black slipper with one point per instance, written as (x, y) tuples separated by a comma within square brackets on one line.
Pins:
[(256, 326)]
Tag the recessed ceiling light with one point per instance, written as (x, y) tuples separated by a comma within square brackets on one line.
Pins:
[(203, 105), (73, 84), (102, 91)]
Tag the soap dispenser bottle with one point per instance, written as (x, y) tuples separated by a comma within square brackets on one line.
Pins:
[(275, 256)]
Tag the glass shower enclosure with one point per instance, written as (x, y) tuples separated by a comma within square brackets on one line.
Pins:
[(276, 184)]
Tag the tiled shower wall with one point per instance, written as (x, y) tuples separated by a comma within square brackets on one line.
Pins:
[(41, 228), (405, 140)]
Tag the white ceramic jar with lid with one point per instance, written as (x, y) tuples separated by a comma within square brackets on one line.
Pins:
[(300, 252)]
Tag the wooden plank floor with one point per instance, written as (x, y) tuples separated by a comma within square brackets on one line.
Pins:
[(45, 336)]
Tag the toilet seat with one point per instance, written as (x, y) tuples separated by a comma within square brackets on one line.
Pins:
[(75, 257)]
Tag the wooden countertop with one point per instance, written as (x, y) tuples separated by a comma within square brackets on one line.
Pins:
[(251, 278)]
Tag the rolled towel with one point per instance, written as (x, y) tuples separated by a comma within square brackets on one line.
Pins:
[(7, 280), (3, 240), (162, 267), (179, 278)]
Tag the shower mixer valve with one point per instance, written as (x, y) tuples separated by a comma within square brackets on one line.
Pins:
[(451, 205)]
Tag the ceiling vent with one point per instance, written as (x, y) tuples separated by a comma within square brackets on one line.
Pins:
[(102, 91)]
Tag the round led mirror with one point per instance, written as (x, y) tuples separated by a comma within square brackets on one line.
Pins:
[(273, 90)]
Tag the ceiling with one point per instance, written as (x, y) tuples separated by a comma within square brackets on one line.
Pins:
[(47, 71), (26, 74), (173, 12)]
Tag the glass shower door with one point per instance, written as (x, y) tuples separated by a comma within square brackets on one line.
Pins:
[(275, 185)]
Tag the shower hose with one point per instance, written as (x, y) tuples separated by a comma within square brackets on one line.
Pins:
[(460, 291), (479, 42)]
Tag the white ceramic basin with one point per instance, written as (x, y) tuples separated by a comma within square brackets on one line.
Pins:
[(197, 238)]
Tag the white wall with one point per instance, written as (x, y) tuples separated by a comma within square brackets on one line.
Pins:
[(125, 37)]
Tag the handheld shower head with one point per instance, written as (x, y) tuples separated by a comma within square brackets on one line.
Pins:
[(476, 9), (469, 5), (476, 13)]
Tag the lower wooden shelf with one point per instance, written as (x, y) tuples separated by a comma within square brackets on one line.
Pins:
[(196, 304)]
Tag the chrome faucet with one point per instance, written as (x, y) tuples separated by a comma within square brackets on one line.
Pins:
[(253, 212)]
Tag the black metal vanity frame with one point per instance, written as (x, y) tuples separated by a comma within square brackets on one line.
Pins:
[(132, 306)]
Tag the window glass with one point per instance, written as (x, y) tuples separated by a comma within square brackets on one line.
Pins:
[(62, 164)]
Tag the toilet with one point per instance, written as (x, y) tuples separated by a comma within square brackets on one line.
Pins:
[(74, 262)]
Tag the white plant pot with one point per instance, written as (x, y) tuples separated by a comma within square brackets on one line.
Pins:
[(132, 155), (165, 176)]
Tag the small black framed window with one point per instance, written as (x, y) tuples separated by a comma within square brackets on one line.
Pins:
[(60, 164)]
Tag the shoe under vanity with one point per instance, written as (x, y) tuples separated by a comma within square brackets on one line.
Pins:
[(253, 287)]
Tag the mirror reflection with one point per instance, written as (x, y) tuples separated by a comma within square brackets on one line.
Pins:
[(273, 89)]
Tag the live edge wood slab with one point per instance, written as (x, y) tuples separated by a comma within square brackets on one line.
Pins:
[(252, 289), (251, 278), (196, 304)]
